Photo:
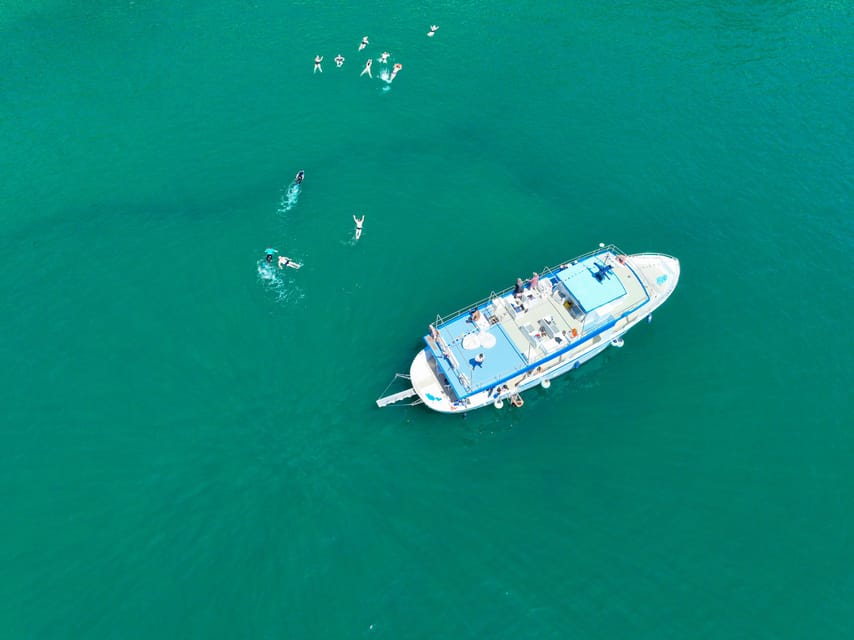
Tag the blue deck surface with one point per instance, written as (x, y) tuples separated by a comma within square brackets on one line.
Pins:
[(501, 360), (591, 293)]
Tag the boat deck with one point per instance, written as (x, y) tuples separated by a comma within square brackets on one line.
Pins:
[(514, 333)]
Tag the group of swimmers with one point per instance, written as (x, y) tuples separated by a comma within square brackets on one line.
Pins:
[(383, 59), (284, 261)]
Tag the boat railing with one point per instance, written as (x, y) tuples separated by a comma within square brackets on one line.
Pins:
[(547, 273)]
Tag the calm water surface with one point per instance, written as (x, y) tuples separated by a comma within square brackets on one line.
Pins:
[(190, 450)]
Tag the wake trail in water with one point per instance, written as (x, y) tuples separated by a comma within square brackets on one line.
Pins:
[(289, 198), (274, 279)]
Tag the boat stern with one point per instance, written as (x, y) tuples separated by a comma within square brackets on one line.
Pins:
[(426, 379)]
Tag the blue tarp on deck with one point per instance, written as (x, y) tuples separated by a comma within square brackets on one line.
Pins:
[(592, 291), (501, 357)]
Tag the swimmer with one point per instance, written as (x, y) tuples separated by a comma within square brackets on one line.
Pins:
[(394, 71), (339, 60), (359, 222), (268, 255), (317, 61), (367, 69), (363, 43), (299, 177), (433, 29), (383, 59)]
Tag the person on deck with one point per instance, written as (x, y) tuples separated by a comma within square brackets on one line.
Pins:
[(434, 333)]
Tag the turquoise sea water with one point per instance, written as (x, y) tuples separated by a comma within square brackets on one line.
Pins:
[(191, 451)]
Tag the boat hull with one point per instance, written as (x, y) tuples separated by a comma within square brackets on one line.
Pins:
[(657, 273)]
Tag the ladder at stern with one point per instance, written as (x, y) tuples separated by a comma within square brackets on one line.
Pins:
[(384, 401)]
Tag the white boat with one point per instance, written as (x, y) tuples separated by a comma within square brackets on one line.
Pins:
[(501, 346)]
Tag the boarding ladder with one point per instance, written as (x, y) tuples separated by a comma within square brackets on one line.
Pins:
[(384, 401)]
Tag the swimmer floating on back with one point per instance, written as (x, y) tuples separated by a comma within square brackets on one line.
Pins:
[(284, 261), (383, 59), (433, 29), (359, 222), (367, 69), (339, 60), (363, 43), (317, 61), (394, 71)]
